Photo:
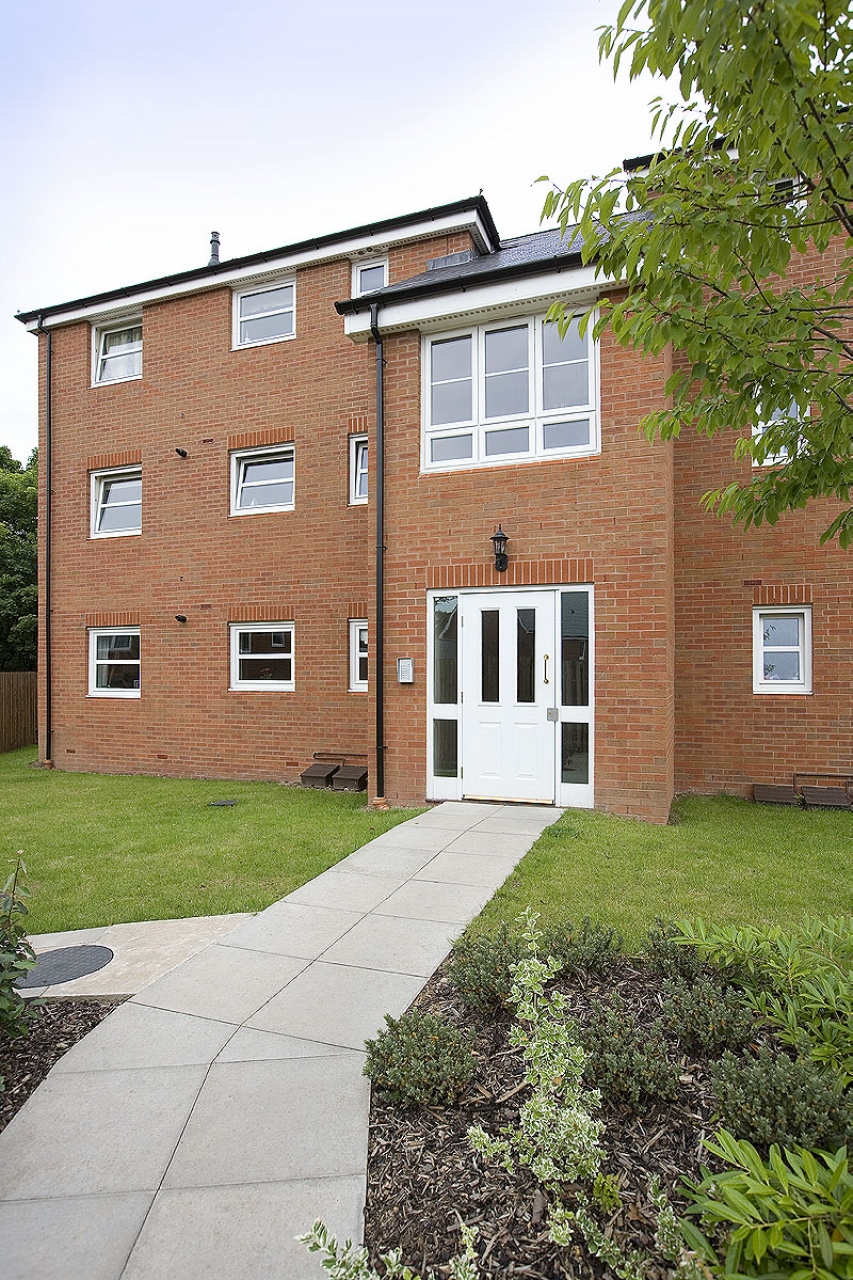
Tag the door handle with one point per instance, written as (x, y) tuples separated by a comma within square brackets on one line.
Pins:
[(546, 668)]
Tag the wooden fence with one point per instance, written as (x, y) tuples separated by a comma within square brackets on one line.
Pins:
[(18, 709)]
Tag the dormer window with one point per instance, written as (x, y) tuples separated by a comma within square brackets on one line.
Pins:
[(118, 352)]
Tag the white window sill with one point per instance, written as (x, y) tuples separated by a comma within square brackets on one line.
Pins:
[(264, 342), (119, 533), (115, 382), (114, 693)]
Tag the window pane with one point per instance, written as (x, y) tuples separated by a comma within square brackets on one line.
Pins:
[(362, 654), (575, 753), (279, 326), (452, 448), (122, 675), (781, 630), (451, 402), (556, 349), (265, 669), (516, 440), (525, 654), (117, 646), (507, 393), (268, 469), (121, 340), (267, 495), (446, 649), (371, 278), (128, 489), (506, 349), (445, 756), (564, 385), (574, 648), (264, 642), (451, 359), (114, 367), (253, 304), (782, 665), (120, 519), (490, 658), (565, 435)]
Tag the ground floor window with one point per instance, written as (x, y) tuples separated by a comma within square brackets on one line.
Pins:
[(782, 650), (114, 662), (357, 655), (262, 655)]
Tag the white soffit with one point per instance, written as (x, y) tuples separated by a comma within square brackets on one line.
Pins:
[(277, 264)]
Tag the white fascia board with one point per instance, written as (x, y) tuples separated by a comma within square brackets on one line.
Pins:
[(380, 242), (577, 285)]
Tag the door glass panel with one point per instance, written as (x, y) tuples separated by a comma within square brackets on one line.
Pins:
[(525, 654), (490, 656), (445, 752), (574, 648), (575, 753), (446, 649)]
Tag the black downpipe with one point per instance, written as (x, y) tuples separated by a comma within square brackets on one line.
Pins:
[(48, 483), (379, 641)]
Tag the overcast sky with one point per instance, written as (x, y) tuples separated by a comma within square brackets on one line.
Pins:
[(128, 133)]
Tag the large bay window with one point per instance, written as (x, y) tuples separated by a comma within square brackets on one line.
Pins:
[(508, 392)]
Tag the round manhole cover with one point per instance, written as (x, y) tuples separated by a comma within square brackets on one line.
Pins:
[(64, 964)]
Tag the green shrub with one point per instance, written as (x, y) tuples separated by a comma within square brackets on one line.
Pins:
[(420, 1060), (625, 1061), (662, 954), (774, 1099), (16, 954), (707, 1017), (592, 948), (789, 1217), (481, 967)]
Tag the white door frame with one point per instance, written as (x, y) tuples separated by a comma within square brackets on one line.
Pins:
[(449, 736)]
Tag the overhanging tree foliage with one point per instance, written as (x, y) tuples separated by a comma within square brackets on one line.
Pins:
[(18, 562), (757, 171)]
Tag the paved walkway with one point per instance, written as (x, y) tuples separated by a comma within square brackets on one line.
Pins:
[(222, 1110)]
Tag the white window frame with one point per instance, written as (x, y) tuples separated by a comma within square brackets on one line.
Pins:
[(356, 683), (97, 481), (94, 691), (239, 458), (535, 420), (236, 629), (358, 457), (759, 648), (99, 333), (359, 266), (267, 287)]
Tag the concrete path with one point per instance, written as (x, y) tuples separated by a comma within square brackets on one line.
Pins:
[(222, 1110)]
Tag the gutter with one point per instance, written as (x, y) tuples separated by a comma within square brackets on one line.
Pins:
[(47, 465), (379, 801)]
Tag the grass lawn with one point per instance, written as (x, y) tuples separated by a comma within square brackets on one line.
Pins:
[(103, 850), (720, 857)]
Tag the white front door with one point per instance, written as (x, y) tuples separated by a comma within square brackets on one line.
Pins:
[(511, 695), (508, 676)]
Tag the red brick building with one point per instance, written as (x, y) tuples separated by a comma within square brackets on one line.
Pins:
[(270, 479)]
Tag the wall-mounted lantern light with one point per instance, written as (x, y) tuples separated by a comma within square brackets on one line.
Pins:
[(499, 541)]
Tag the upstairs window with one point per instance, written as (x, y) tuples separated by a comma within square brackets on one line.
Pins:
[(265, 315), (262, 480), (114, 663), (509, 392), (357, 470), (368, 276), (760, 427), (116, 503), (262, 655), (782, 650), (118, 352)]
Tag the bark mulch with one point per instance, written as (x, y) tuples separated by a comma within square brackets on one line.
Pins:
[(57, 1025), (423, 1177)]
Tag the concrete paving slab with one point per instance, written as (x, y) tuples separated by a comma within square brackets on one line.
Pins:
[(312, 1123), (293, 929), (347, 891), (226, 984), (244, 1233), (430, 839), (431, 900), (98, 1132), (470, 868), (395, 944), (527, 822), (455, 815), (76, 1238), (490, 844), (136, 1035), (338, 1005), (71, 938), (382, 860), (263, 1046)]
